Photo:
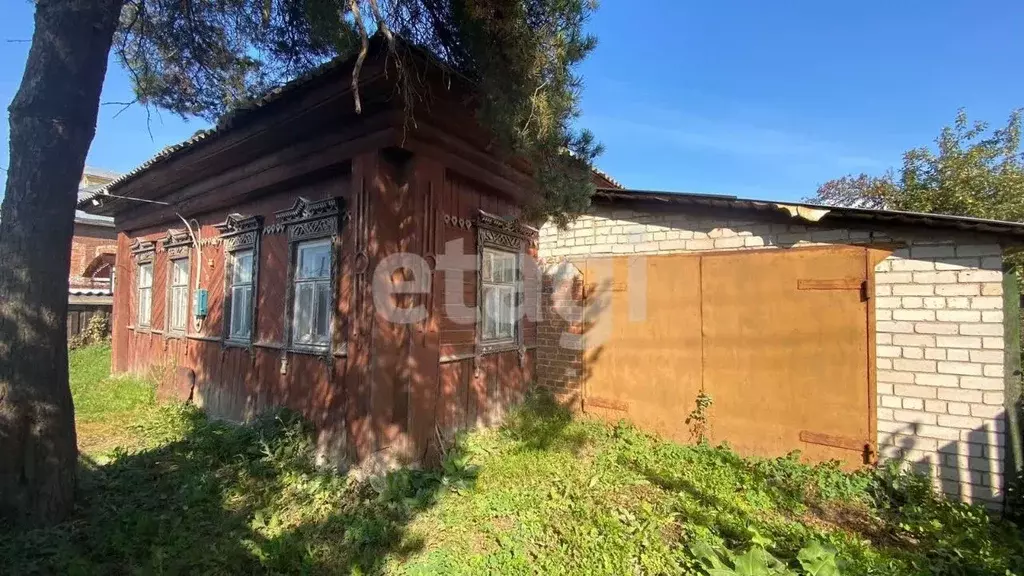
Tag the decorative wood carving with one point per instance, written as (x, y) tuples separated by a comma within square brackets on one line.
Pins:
[(239, 232), (510, 235), (309, 220), (142, 250), (177, 243)]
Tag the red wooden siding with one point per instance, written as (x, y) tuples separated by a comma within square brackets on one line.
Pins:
[(383, 386)]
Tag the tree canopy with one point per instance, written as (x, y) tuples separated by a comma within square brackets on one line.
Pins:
[(205, 57), (971, 172)]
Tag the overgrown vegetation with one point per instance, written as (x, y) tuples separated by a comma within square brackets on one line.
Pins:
[(544, 494), (97, 331)]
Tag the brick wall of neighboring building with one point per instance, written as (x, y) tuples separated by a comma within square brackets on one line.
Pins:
[(939, 326), (89, 242)]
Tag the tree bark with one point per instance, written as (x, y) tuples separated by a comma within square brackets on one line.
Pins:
[(53, 120)]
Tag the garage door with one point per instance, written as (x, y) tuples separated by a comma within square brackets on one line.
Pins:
[(780, 339)]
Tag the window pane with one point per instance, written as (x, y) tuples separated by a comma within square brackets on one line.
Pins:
[(144, 306), (303, 313), (499, 266), (145, 275), (314, 261), (487, 266), (179, 272), (507, 307), (241, 312), (490, 301), (179, 307), (323, 312), (241, 267)]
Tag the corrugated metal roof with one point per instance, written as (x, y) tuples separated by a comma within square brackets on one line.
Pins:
[(831, 213), (90, 291)]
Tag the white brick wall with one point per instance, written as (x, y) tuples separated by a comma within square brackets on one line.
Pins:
[(939, 331)]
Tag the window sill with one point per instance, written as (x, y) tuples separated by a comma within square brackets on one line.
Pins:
[(229, 343), (174, 335), (203, 338), (310, 350), (498, 346)]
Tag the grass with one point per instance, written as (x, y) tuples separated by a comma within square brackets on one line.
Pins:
[(105, 406), (544, 494)]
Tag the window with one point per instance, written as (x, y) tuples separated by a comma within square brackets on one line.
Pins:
[(240, 265), (179, 295), (311, 304), (499, 293), (145, 293)]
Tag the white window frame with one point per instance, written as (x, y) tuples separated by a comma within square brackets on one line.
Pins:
[(306, 338), (511, 288), (236, 333), (144, 314), (177, 296)]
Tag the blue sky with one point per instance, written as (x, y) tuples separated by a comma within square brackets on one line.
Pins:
[(755, 99)]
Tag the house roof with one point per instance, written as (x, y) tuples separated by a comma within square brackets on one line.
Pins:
[(241, 115), (93, 180), (815, 212)]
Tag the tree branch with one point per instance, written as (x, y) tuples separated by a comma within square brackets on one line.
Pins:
[(363, 51)]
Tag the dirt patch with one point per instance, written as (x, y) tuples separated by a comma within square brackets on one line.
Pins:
[(853, 518)]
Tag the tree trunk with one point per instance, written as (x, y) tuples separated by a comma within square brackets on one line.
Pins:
[(53, 120)]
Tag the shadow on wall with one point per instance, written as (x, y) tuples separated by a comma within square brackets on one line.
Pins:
[(970, 469), (570, 310)]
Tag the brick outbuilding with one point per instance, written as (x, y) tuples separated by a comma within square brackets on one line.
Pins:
[(847, 334)]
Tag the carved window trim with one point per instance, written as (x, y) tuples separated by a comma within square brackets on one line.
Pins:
[(505, 235), (308, 220), (177, 244), (239, 233), (143, 252)]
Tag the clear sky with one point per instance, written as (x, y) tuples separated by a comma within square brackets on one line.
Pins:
[(748, 98)]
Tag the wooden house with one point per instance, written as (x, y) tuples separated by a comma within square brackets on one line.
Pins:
[(281, 217)]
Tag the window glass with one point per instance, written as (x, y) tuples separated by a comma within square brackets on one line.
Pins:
[(145, 298), (179, 295), (241, 268), (314, 260), (499, 295), (311, 304), (240, 313)]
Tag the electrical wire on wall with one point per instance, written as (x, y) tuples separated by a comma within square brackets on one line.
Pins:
[(195, 234)]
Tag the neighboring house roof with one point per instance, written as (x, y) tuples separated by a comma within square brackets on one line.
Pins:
[(89, 291), (93, 180), (816, 212)]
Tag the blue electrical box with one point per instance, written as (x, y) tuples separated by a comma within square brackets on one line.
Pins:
[(200, 302)]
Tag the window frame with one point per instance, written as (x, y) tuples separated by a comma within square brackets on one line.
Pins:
[(239, 234), (510, 236), (142, 252), (148, 324), (304, 222), (516, 289), (315, 282), (171, 329), (230, 284)]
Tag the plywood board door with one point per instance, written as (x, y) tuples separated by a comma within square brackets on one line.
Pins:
[(643, 340), (786, 343)]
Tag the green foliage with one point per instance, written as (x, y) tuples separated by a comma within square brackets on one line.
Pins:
[(699, 418), (97, 395), (96, 331), (971, 172), (544, 494), (815, 559), (208, 58)]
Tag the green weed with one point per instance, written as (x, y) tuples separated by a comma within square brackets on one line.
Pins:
[(546, 493)]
